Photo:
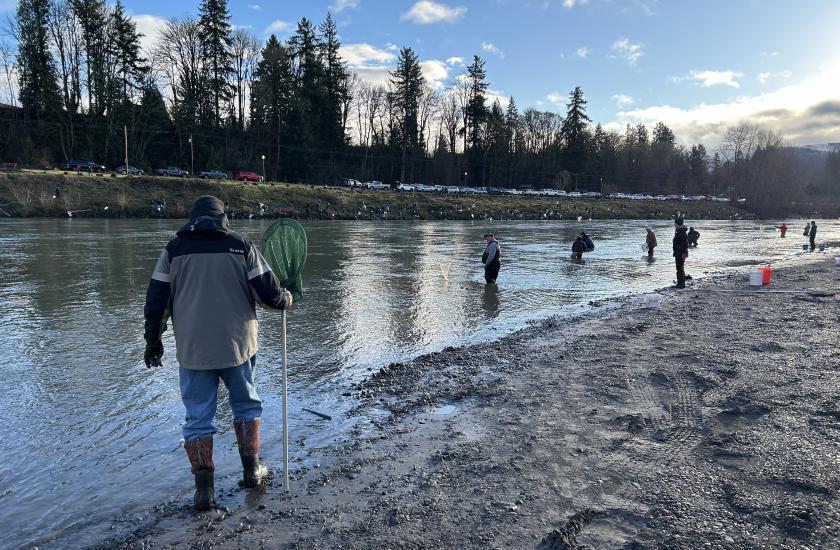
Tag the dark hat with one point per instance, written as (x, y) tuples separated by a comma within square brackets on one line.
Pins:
[(678, 221), (488, 235), (207, 205)]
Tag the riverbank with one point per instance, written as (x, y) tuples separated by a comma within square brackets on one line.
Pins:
[(630, 427), (27, 194)]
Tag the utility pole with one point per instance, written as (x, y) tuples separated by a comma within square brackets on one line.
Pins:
[(263, 161), (125, 135), (192, 158)]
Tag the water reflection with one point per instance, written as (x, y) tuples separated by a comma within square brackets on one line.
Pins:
[(71, 296), (490, 300)]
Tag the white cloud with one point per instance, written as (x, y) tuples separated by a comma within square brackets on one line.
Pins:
[(492, 48), (627, 50), (278, 27), (764, 77), (707, 79), (392, 47), (149, 26), (769, 54), (435, 72), (805, 112), (622, 100), (496, 95), (582, 52), (555, 97), (254, 7), (426, 12), (372, 64), (341, 5), (569, 4), (455, 61), (365, 54)]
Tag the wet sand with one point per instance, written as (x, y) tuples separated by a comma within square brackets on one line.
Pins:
[(712, 422)]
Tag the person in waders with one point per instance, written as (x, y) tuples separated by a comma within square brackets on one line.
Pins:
[(650, 241), (491, 259), (680, 251), (207, 280), (812, 235), (578, 248), (782, 230), (590, 245), (693, 235)]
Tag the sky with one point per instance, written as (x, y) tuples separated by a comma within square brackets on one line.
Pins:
[(696, 66)]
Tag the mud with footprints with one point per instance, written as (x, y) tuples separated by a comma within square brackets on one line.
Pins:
[(713, 422)]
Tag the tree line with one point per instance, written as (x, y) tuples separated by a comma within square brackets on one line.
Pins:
[(208, 96)]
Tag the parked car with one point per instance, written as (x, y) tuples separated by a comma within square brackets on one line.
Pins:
[(212, 175), (424, 188), (377, 185), (243, 175), (404, 187), (349, 182), (84, 166), (172, 171), (132, 171), (453, 189)]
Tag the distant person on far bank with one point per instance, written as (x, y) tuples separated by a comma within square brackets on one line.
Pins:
[(578, 248), (680, 251), (812, 235), (782, 230), (492, 258), (693, 236), (650, 241)]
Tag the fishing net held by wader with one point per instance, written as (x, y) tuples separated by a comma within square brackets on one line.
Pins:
[(283, 245)]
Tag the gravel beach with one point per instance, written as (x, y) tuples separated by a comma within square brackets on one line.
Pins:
[(711, 422)]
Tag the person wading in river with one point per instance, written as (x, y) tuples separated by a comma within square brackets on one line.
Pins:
[(680, 251), (650, 241), (207, 279), (812, 234), (491, 259)]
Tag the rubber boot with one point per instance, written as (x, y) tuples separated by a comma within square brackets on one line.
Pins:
[(200, 453), (248, 439)]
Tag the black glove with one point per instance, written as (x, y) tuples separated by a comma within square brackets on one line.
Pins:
[(153, 354)]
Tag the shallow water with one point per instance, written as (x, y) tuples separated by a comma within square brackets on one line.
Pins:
[(89, 438)]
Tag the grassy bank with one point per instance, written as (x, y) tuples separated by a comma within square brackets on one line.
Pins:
[(27, 194)]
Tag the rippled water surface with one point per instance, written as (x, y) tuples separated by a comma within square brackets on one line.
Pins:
[(89, 436)]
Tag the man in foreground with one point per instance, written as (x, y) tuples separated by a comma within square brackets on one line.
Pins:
[(492, 258), (206, 280), (680, 251)]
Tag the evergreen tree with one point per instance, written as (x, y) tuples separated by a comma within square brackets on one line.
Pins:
[(407, 86), (38, 87), (335, 83), (308, 96), (574, 130), (663, 135), (214, 33), (93, 19), (131, 66), (476, 110), (271, 95)]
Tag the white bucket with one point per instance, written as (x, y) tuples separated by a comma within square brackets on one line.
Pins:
[(756, 277), (652, 301)]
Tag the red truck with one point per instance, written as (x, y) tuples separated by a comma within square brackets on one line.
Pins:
[(241, 175)]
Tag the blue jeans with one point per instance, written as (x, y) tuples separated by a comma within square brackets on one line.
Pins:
[(199, 392)]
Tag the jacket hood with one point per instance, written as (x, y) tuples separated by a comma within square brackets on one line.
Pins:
[(682, 229), (207, 218)]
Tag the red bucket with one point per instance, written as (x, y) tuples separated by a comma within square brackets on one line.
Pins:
[(765, 275)]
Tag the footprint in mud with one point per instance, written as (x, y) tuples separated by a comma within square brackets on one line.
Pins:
[(740, 406), (767, 347)]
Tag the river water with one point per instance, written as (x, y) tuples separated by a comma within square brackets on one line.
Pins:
[(90, 439)]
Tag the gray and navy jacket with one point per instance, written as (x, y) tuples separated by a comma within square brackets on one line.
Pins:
[(207, 280)]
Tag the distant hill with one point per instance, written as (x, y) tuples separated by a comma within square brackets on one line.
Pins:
[(823, 147)]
